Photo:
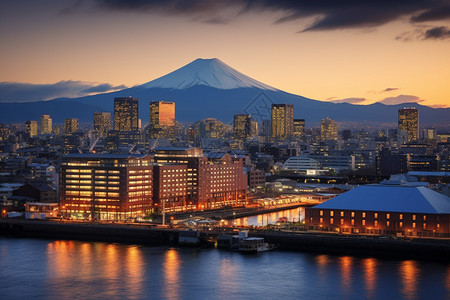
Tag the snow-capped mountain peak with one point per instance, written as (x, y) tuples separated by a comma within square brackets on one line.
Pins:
[(209, 72)]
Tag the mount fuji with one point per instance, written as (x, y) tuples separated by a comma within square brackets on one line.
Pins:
[(208, 88)]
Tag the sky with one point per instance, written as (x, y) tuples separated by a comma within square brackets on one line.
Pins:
[(343, 51)]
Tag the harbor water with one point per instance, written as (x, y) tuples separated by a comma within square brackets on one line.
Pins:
[(63, 269)]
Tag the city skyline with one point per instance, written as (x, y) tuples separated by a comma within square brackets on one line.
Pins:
[(54, 49)]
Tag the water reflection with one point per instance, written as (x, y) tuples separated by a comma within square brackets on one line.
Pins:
[(292, 215), (322, 261), (345, 264), (409, 272), (134, 268), (171, 265), (370, 275), (227, 275)]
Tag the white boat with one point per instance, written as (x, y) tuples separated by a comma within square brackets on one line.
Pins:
[(254, 245)]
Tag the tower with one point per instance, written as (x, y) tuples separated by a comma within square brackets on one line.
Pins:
[(162, 119), (328, 130), (102, 123), (70, 126), (408, 125), (45, 126), (282, 121), (126, 116)]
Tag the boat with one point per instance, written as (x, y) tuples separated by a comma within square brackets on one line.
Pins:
[(254, 245)]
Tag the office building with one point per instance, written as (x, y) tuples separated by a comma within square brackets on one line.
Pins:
[(282, 121), (242, 127), (328, 130), (408, 125), (31, 128), (70, 126), (126, 114), (45, 126), (162, 119), (299, 128), (102, 124), (106, 186)]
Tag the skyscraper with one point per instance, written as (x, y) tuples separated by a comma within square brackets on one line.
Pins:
[(282, 121), (162, 119), (328, 130), (45, 126), (126, 114), (102, 123), (242, 125), (299, 128), (408, 125), (31, 128), (70, 126)]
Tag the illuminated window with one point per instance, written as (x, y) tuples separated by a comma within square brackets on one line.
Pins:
[(424, 225), (401, 217), (321, 220), (364, 222), (332, 221), (375, 215), (342, 213), (353, 214), (437, 226), (424, 217), (321, 212), (388, 216), (331, 213), (387, 223), (342, 221), (375, 223), (363, 214), (414, 217), (353, 222), (414, 225), (401, 224)]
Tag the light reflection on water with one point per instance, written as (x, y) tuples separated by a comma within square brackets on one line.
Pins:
[(69, 269)]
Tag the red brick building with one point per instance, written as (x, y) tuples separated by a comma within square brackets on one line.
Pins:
[(384, 210)]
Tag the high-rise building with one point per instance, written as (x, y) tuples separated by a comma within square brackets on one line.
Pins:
[(328, 130), (45, 126), (102, 123), (242, 125), (70, 126), (282, 121), (126, 114), (162, 119), (408, 125), (31, 128), (299, 128)]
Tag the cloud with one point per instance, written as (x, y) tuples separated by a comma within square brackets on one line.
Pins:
[(436, 33), (390, 89), (349, 100), (401, 99), (438, 106), (328, 14), (28, 92)]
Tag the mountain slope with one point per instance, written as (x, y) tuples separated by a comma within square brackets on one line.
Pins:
[(209, 88)]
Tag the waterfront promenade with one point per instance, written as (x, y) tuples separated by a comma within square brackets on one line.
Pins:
[(428, 249)]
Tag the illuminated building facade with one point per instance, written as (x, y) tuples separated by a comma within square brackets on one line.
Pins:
[(328, 130), (170, 187), (45, 126), (102, 124), (282, 121), (384, 210), (162, 119), (242, 125), (31, 128), (126, 114), (211, 182), (70, 126), (299, 128), (106, 186), (408, 125)]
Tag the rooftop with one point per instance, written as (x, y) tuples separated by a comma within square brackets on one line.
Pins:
[(389, 198)]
